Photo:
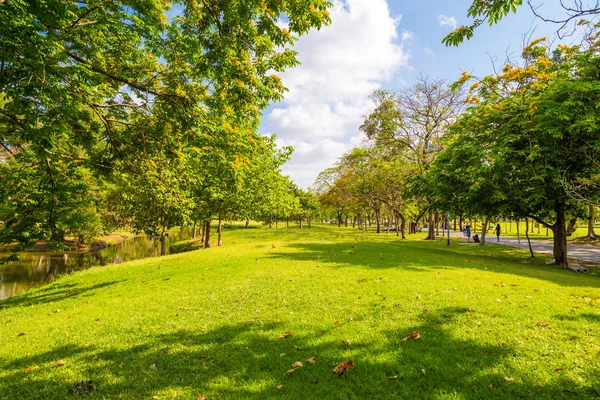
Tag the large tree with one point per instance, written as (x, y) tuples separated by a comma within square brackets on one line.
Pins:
[(532, 128)]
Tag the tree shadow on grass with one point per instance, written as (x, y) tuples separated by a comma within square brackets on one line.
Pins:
[(53, 293), (430, 256), (244, 361)]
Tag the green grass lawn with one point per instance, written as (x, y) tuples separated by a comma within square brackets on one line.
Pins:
[(207, 323)]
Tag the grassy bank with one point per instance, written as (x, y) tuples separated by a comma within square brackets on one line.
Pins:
[(492, 324)]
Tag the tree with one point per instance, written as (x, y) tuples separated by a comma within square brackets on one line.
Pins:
[(122, 80), (411, 124), (493, 11), (533, 126)]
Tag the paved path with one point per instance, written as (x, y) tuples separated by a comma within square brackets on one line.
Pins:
[(576, 251)]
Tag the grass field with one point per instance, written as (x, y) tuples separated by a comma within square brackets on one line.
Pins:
[(492, 323)]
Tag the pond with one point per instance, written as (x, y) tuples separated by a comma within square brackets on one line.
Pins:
[(29, 270)]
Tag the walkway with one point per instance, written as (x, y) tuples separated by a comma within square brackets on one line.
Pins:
[(576, 251)]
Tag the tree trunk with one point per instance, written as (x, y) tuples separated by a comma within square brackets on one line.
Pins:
[(300, 223), (276, 223), (163, 244), (431, 227), (403, 226), (378, 220), (437, 223), (346, 222), (560, 235), (270, 221), (219, 234), (389, 223), (454, 224), (194, 231), (308, 222), (591, 234), (247, 223), (353, 222), (529, 242), (287, 223), (484, 230), (207, 234)]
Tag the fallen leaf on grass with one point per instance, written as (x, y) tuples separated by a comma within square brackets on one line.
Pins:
[(22, 334), (311, 360), (297, 364), (509, 378), (282, 354), (153, 366), (343, 367), (336, 323), (143, 281), (279, 386), (297, 347), (201, 398), (542, 323), (28, 369), (393, 377), (59, 363), (284, 335), (83, 387), (412, 336), (346, 342), (362, 280), (350, 318)]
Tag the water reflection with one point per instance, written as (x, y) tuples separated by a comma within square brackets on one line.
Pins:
[(34, 269)]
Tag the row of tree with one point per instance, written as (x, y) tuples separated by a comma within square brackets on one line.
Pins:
[(521, 143), (130, 113)]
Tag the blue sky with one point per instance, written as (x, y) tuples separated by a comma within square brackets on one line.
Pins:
[(374, 44)]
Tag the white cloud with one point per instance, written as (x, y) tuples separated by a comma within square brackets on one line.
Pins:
[(341, 65), (428, 52), (450, 22), (407, 35)]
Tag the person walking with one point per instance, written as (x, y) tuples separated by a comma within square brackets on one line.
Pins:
[(498, 231), (468, 232)]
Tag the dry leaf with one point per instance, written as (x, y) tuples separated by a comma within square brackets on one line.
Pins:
[(412, 336), (297, 347), (282, 354), (336, 323), (393, 377), (423, 371), (350, 318), (153, 366), (83, 387), (343, 367), (542, 323), (426, 310), (499, 301), (201, 398), (297, 364), (311, 360), (59, 363), (509, 378), (279, 386), (346, 342), (289, 371), (28, 369), (22, 334), (285, 335), (143, 281)]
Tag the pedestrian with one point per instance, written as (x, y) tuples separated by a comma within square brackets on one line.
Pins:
[(464, 229), (498, 231), (468, 232)]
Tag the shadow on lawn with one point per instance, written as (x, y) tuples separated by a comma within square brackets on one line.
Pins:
[(53, 293), (243, 361), (423, 256)]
